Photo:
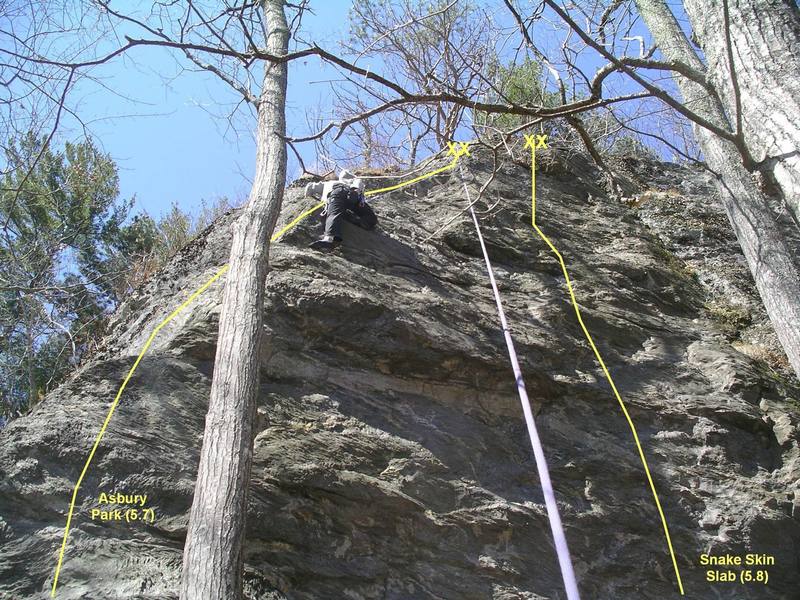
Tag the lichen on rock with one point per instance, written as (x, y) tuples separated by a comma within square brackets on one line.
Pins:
[(391, 459)]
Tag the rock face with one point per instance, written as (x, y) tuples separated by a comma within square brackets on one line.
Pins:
[(391, 459)]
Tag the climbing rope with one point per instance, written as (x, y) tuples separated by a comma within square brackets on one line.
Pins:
[(562, 550)]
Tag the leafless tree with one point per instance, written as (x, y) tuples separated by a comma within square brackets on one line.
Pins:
[(744, 108), (427, 91), (722, 93)]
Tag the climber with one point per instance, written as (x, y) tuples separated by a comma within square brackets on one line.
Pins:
[(345, 199)]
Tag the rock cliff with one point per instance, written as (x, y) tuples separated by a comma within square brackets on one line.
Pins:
[(391, 459)]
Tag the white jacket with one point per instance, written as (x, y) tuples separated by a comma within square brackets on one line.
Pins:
[(321, 189)]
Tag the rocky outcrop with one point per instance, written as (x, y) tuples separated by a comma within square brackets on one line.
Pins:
[(391, 459)]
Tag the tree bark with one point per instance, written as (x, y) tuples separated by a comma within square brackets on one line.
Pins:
[(769, 256), (33, 394), (762, 84), (213, 556)]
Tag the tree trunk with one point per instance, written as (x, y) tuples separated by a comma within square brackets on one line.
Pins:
[(213, 556), (412, 156), (765, 46), (33, 394), (769, 257), (771, 261)]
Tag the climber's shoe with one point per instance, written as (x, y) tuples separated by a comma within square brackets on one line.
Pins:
[(326, 243)]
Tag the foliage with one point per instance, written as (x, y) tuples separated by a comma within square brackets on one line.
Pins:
[(523, 84), (177, 228), (731, 318), (69, 253), (630, 145), (55, 210), (429, 47)]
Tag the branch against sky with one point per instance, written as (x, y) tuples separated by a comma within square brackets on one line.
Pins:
[(224, 41)]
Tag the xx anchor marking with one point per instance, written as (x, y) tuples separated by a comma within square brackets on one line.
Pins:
[(539, 142), (456, 149)]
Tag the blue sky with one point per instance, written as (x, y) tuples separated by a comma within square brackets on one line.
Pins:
[(169, 130)]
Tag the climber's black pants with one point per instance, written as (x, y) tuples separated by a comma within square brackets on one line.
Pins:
[(343, 208)]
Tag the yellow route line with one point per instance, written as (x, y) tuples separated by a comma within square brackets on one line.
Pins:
[(455, 152), (100, 435), (547, 241), (415, 180), (294, 222), (316, 207)]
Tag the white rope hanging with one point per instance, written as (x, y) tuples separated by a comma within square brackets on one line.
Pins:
[(562, 550)]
